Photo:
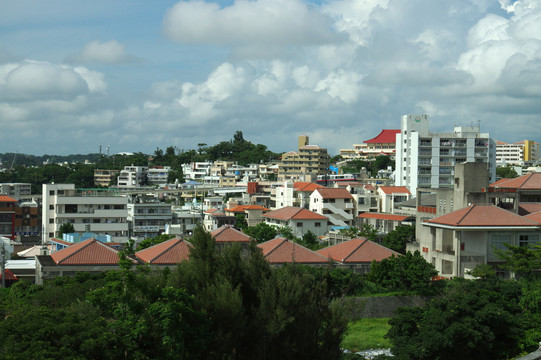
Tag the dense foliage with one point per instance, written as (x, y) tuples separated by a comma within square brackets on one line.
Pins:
[(475, 319), (398, 238), (221, 304), (381, 162)]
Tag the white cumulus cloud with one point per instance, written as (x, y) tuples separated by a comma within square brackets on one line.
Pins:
[(96, 52)]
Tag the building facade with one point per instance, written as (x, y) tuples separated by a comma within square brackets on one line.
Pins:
[(98, 211), (305, 164), (426, 160)]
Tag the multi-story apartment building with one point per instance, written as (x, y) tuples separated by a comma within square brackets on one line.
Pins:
[(517, 153), (132, 177), (27, 223), (158, 175), (304, 164), (98, 211), (426, 160), (18, 191), (148, 218), (104, 178)]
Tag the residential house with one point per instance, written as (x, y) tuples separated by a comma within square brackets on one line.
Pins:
[(295, 194), (392, 195), (227, 235), (384, 223), (280, 251), (465, 238), (335, 203), (90, 256), (252, 213), (300, 220), (166, 254), (357, 254)]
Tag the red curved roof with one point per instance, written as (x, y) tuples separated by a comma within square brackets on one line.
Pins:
[(386, 136)]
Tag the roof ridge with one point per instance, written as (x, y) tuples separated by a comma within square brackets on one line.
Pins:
[(528, 176), (277, 246), (466, 214), (357, 248), (78, 250), (164, 250)]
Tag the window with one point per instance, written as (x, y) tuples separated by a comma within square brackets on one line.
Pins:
[(51, 221), (96, 221), (299, 224), (51, 207), (51, 192), (318, 224), (528, 240)]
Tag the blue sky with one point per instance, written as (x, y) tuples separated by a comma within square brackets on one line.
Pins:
[(137, 75)]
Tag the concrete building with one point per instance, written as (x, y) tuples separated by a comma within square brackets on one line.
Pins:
[(392, 195), (148, 218), (336, 203), (132, 177), (519, 153), (18, 191), (305, 164), (426, 160), (98, 211), (105, 178), (158, 175), (383, 144), (7, 216)]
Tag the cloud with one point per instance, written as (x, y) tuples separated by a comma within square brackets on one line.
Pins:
[(248, 23), (96, 52)]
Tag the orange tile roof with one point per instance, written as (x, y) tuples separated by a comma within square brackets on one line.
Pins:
[(229, 234), (358, 250), (528, 208), (383, 216), (306, 186), (169, 252), (395, 190), (530, 182), (9, 275), (63, 242), (369, 187), (294, 213), (210, 211), (482, 215), (242, 208), (279, 251), (88, 252), (536, 216), (334, 193), (5, 198)]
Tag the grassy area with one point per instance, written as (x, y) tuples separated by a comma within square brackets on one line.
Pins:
[(366, 334)]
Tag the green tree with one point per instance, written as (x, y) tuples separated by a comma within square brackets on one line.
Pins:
[(65, 228), (310, 240), (506, 172), (524, 261), (261, 232), (148, 242), (365, 230), (398, 238), (473, 320), (409, 272), (241, 222)]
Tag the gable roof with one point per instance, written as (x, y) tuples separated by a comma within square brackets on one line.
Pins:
[(382, 216), (88, 252), (395, 190), (358, 250), (481, 215), (229, 234), (528, 208), (294, 213), (306, 186), (169, 252), (334, 193), (9, 275), (528, 182), (279, 251), (386, 136)]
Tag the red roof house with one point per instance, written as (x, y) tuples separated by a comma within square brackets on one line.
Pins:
[(170, 252), (300, 220), (279, 251), (357, 253), (229, 235)]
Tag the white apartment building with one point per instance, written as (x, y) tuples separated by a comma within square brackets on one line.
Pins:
[(426, 160), (18, 191), (132, 176), (97, 211)]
